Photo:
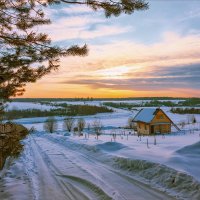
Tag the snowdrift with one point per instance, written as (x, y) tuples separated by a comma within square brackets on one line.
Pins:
[(106, 146), (110, 146), (193, 149), (160, 176)]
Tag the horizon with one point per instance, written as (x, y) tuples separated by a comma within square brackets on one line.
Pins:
[(94, 98), (148, 53)]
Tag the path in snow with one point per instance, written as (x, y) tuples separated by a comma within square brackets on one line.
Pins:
[(58, 172)]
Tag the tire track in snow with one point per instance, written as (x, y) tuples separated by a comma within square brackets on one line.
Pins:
[(114, 184), (76, 170), (92, 156), (77, 188), (84, 184), (45, 185)]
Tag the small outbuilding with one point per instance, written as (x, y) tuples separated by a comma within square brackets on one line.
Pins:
[(153, 121)]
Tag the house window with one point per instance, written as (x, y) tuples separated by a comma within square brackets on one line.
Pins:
[(161, 117), (145, 126)]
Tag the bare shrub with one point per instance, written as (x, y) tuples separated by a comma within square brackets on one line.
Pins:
[(182, 124), (80, 124), (68, 123), (88, 127), (193, 119), (50, 125), (97, 127)]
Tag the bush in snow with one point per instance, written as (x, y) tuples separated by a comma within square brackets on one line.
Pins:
[(50, 125), (193, 119), (88, 127), (68, 124), (182, 124), (97, 127), (80, 125)]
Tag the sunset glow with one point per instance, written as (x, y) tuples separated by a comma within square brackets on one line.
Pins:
[(149, 53)]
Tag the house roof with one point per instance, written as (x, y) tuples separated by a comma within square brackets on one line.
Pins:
[(145, 115)]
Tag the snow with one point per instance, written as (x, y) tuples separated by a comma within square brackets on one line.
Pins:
[(134, 147), (70, 171), (145, 115), (56, 166), (67, 166), (32, 105), (28, 105), (110, 146)]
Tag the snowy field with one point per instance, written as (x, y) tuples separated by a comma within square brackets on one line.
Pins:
[(55, 166), (27, 105)]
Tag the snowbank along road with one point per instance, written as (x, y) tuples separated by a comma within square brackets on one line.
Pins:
[(49, 170)]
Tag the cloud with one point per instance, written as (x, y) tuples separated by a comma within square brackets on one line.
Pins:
[(140, 84), (172, 50), (85, 27), (67, 11), (147, 51), (192, 14), (76, 10), (127, 59), (167, 78)]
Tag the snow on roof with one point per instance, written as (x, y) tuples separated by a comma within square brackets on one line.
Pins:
[(145, 115)]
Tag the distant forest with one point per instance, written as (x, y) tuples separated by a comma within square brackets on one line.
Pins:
[(65, 110), (156, 103), (185, 110), (95, 99)]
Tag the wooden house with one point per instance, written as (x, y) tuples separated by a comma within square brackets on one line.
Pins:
[(153, 121)]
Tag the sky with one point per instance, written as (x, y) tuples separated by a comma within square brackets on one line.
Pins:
[(149, 53)]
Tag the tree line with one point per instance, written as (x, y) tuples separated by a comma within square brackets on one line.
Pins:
[(155, 103), (186, 110), (66, 110), (39, 100)]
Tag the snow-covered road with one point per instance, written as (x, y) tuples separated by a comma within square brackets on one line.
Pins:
[(55, 171)]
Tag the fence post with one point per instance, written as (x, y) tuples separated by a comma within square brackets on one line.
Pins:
[(147, 143)]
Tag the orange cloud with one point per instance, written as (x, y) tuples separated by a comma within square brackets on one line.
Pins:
[(122, 61)]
